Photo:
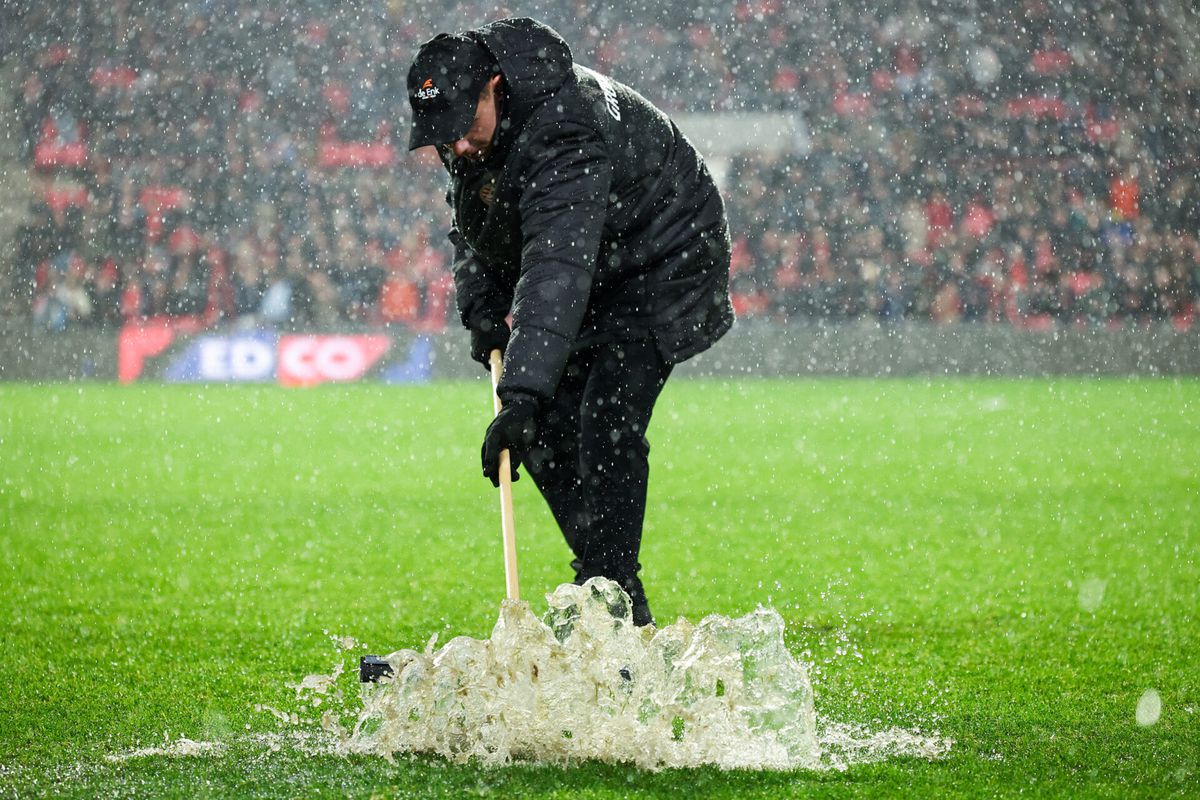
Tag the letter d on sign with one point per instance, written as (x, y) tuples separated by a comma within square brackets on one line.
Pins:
[(250, 359)]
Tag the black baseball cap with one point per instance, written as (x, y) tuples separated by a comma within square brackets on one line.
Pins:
[(444, 83)]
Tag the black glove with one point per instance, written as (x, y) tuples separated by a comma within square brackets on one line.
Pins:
[(513, 429), (486, 337)]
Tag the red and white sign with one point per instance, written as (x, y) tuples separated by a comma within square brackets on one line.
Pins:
[(310, 360)]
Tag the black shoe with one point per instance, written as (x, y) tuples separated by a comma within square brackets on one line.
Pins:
[(637, 598), (632, 585)]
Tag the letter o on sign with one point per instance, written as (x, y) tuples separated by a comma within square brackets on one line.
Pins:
[(339, 359)]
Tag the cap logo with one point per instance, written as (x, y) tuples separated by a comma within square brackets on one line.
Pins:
[(428, 91), (487, 192)]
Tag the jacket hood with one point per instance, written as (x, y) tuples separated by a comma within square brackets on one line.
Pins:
[(535, 60)]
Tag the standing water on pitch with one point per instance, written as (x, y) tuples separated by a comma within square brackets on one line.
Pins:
[(584, 683)]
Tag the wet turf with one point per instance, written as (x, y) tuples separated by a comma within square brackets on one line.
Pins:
[(1012, 562)]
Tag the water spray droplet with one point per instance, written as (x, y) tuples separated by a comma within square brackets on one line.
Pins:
[(1149, 708)]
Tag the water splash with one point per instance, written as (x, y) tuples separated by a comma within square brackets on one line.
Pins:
[(180, 748), (584, 683)]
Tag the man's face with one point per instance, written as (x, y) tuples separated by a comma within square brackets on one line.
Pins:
[(477, 142)]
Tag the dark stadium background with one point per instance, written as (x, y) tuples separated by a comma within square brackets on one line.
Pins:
[(971, 163)]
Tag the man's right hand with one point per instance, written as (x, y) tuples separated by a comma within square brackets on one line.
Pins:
[(485, 338), (513, 429)]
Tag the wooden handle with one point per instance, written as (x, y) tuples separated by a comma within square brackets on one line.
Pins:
[(507, 524)]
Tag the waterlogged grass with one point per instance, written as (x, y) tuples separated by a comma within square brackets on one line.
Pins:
[(1014, 563)]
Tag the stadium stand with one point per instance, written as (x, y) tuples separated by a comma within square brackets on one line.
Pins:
[(969, 161)]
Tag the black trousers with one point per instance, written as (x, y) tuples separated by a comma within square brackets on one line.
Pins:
[(590, 457)]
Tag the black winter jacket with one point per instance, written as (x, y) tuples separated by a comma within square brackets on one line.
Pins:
[(592, 219)]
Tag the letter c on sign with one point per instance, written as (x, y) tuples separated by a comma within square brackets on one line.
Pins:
[(296, 360)]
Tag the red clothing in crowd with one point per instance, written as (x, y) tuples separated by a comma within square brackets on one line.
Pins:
[(1123, 195)]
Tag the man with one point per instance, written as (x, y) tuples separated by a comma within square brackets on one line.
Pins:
[(580, 209)]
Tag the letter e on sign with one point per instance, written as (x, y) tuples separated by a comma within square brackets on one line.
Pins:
[(214, 358)]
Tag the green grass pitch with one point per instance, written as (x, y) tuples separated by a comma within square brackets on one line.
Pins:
[(1015, 562)]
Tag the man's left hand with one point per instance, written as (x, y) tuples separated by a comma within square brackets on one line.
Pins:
[(489, 336), (513, 430)]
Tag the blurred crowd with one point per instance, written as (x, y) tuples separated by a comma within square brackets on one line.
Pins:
[(1031, 163), (967, 160)]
